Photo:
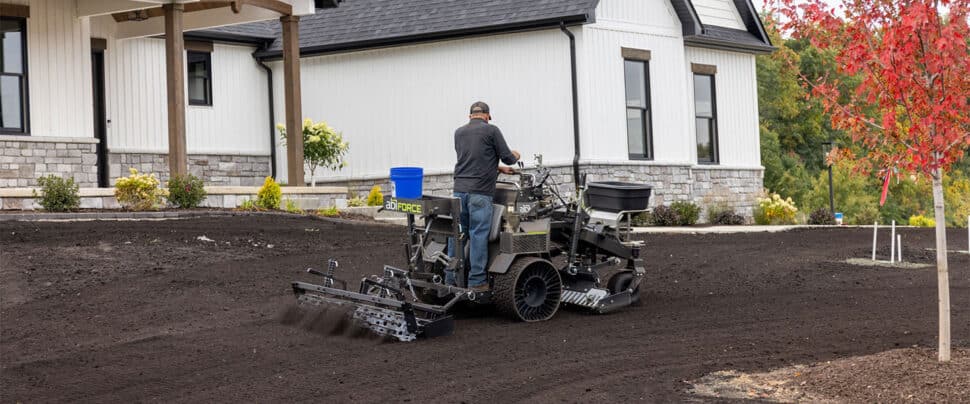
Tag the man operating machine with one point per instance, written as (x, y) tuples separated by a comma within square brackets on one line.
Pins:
[(480, 146)]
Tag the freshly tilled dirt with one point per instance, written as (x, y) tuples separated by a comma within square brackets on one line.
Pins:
[(153, 311)]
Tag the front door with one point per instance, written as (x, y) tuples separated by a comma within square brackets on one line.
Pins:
[(100, 120)]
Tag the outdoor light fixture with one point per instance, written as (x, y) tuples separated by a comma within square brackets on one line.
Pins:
[(138, 15)]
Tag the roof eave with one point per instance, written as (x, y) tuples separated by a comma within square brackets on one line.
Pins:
[(227, 37), (752, 20), (719, 44), (572, 20)]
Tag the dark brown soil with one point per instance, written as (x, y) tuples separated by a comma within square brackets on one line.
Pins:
[(148, 311)]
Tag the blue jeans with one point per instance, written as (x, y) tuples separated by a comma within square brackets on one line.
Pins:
[(476, 222)]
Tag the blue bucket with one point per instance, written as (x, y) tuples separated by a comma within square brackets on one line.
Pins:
[(408, 182)]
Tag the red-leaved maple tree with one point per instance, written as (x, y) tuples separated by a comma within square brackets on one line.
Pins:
[(909, 111)]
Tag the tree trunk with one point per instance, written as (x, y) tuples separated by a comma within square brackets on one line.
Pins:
[(313, 175), (943, 277)]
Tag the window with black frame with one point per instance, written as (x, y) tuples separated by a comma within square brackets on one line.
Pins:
[(705, 118), (638, 119), (200, 78), (13, 75)]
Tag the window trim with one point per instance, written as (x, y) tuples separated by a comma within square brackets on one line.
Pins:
[(715, 144), (630, 55), (24, 130), (208, 80)]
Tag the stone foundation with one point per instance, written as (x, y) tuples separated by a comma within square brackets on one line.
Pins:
[(706, 186), (25, 158), (218, 197), (216, 170)]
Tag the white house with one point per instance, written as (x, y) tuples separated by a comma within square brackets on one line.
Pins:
[(665, 91)]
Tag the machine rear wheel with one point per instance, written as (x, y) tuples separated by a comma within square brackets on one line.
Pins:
[(530, 291)]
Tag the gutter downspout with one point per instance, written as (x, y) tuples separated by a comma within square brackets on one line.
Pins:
[(272, 117), (572, 57)]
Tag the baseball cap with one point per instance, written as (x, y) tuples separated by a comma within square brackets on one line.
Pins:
[(479, 108)]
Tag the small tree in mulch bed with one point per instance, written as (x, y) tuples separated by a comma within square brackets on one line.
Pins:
[(907, 110), (323, 146)]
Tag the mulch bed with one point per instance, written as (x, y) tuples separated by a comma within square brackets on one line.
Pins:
[(900, 375)]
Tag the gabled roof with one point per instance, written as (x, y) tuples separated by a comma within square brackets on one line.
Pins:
[(752, 39), (367, 23), (360, 24)]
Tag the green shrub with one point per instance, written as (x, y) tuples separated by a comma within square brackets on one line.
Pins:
[(329, 212), (139, 191), (356, 202), (58, 194), (687, 212), (773, 210), (641, 220), (375, 197), (186, 191), (291, 207), (664, 216), (821, 216), (269, 195), (921, 221), (248, 204), (865, 215), (956, 194), (725, 217)]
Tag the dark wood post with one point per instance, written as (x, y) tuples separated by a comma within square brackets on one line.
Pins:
[(292, 95), (175, 73)]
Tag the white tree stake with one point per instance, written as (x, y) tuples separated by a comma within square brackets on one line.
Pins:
[(875, 233), (899, 248), (892, 244)]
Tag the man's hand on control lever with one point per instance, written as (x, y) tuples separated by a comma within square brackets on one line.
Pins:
[(510, 170)]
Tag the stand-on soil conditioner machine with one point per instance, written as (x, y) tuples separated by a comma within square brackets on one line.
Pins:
[(545, 251)]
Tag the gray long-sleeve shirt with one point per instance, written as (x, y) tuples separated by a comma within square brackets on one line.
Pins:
[(480, 146)]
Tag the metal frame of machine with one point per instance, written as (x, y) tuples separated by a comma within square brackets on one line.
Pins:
[(546, 251)]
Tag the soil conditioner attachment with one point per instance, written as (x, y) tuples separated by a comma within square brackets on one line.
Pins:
[(545, 251)]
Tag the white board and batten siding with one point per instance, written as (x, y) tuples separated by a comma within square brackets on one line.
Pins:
[(651, 26), (400, 106), (137, 102), (722, 13), (59, 66), (654, 26), (737, 105)]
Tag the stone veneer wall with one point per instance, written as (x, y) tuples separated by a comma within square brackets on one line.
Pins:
[(733, 188), (25, 158), (215, 170)]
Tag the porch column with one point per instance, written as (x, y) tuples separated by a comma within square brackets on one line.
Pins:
[(175, 75), (294, 110)]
